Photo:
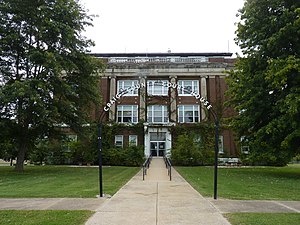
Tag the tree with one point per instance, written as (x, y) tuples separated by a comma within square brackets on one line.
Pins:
[(264, 88), (46, 77)]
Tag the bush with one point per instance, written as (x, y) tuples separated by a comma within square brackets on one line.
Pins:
[(40, 152), (134, 156), (187, 152), (131, 156)]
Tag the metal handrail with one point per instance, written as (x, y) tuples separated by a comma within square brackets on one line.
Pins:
[(168, 166), (146, 166)]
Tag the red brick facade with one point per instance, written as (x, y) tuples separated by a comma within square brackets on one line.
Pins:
[(159, 108)]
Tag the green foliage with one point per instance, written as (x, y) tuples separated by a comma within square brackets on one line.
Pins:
[(40, 152), (186, 152), (130, 156), (296, 158), (134, 155), (193, 145), (112, 129), (47, 79), (264, 88)]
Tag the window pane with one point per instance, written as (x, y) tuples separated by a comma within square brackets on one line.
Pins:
[(127, 113), (119, 140), (157, 114), (132, 140), (125, 84), (156, 87), (157, 119), (188, 113), (188, 86)]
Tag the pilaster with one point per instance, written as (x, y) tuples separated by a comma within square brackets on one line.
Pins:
[(112, 93), (173, 101), (204, 95)]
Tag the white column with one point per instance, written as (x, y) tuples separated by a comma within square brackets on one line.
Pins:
[(112, 93), (204, 95), (142, 107), (173, 102)]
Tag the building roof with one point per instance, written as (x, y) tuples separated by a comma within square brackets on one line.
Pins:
[(167, 54)]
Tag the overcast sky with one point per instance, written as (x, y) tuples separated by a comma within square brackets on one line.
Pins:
[(160, 25)]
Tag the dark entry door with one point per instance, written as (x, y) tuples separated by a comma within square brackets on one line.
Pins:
[(157, 143)]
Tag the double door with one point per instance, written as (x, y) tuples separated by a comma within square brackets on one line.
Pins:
[(158, 143)]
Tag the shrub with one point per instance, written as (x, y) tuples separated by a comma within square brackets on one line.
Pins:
[(134, 155), (131, 156), (188, 152)]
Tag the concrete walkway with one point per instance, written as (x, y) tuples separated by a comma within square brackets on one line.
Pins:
[(157, 201), (91, 204)]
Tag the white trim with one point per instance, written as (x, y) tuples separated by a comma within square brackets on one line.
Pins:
[(125, 84), (195, 87), (182, 109), (134, 109), (133, 142), (157, 87), (163, 110), (221, 144), (121, 140)]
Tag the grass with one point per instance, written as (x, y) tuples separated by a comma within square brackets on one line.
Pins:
[(49, 217), (62, 181), (260, 183), (263, 218)]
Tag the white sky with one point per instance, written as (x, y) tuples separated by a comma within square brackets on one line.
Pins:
[(159, 25)]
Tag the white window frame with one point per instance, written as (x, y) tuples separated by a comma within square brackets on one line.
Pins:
[(119, 138), (133, 109), (157, 87), (182, 110), (132, 140), (183, 85), (151, 109), (125, 84), (245, 149), (221, 144), (72, 137)]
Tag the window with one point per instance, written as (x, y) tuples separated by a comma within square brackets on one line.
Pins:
[(188, 86), (157, 114), (157, 87), (72, 137), (221, 145), (119, 141), (127, 113), (132, 140), (244, 145), (128, 84), (188, 113)]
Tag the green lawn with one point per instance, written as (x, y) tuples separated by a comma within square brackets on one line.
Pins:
[(263, 218), (261, 183), (62, 181), (49, 217)]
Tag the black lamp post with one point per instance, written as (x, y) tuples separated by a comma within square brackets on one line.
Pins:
[(100, 127), (216, 152), (100, 158)]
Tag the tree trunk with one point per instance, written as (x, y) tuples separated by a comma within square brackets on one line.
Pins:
[(21, 157)]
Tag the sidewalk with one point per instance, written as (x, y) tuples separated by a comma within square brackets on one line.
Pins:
[(157, 201), (91, 204)]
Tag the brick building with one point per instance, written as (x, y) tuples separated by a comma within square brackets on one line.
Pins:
[(163, 90)]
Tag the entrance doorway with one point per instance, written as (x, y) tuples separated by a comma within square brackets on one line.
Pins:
[(157, 143)]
